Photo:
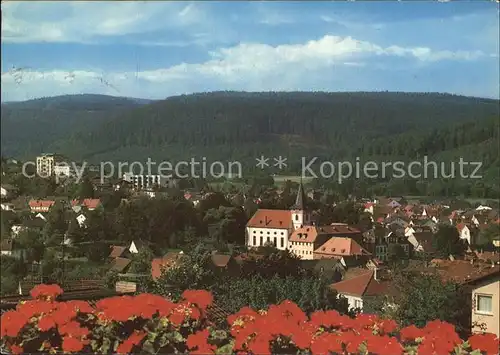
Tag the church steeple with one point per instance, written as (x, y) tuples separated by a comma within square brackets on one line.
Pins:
[(300, 199), (300, 216)]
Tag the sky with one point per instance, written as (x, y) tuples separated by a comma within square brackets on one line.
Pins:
[(158, 49)]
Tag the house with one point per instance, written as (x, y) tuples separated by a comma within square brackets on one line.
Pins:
[(169, 260), (304, 240), (422, 241), (136, 246), (120, 264), (465, 233), (276, 226), (382, 245), (369, 207), (117, 251), (331, 269), (486, 303), (41, 205), (90, 203), (6, 247), (224, 263), (7, 206), (361, 287), (337, 247), (7, 191), (81, 219)]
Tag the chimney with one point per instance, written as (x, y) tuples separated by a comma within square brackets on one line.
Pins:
[(375, 274)]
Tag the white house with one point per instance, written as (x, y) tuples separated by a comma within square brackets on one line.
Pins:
[(483, 208), (41, 216), (464, 232), (7, 206), (360, 288), (276, 226), (409, 231), (369, 208), (81, 219)]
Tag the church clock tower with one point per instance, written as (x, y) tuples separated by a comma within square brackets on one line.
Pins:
[(300, 214)]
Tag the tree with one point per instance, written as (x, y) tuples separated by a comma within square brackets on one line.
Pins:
[(396, 253), (447, 242), (428, 297), (31, 241), (85, 189), (141, 262), (227, 224)]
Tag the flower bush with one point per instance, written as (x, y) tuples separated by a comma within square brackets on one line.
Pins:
[(152, 324)]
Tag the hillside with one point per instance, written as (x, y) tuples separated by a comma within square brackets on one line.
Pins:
[(30, 127), (234, 125)]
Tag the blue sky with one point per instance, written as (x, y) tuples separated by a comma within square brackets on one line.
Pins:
[(159, 49)]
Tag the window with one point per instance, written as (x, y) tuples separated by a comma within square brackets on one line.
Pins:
[(261, 240), (358, 304), (282, 242), (254, 240), (484, 304), (296, 217)]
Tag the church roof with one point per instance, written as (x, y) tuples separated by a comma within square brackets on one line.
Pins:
[(300, 200)]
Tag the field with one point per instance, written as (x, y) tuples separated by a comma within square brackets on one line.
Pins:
[(281, 179)]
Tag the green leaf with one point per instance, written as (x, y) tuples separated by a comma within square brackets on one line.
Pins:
[(226, 349), (164, 341), (475, 352), (148, 347)]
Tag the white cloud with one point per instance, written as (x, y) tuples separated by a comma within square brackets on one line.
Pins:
[(247, 66), (84, 22)]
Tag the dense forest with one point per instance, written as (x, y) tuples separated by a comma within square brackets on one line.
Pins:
[(241, 126)]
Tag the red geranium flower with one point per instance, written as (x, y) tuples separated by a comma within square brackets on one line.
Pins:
[(201, 298), (72, 345), (15, 349), (411, 333), (43, 291), (486, 342), (11, 323), (46, 323)]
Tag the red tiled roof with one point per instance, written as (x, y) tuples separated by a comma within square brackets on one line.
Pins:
[(90, 203), (362, 285), (337, 246), (221, 260), (116, 251), (119, 264), (41, 203), (264, 218), (309, 234)]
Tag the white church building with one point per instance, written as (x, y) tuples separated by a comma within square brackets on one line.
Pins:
[(276, 226)]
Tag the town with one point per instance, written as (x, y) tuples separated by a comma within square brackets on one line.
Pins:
[(248, 242)]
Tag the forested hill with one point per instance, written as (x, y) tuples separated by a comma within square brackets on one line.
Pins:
[(234, 125), (30, 127)]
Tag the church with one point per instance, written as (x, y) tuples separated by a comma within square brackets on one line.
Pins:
[(276, 226)]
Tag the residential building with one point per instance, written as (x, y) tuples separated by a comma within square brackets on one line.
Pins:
[(7, 191), (382, 245), (46, 163), (62, 169), (358, 289), (486, 304), (305, 240), (41, 205), (276, 226), (338, 247), (89, 203), (143, 181), (465, 233)]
